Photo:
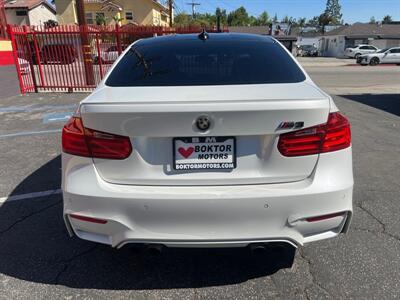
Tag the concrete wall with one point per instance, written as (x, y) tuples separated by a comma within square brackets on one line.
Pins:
[(41, 14), (36, 16), (307, 41), (66, 11), (332, 46), (384, 43), (12, 18)]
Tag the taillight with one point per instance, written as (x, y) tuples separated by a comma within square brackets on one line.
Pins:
[(332, 136), (73, 138), (81, 141)]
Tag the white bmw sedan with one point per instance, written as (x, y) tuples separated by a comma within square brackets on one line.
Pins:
[(210, 140)]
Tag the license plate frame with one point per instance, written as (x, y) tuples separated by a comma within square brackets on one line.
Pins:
[(205, 141)]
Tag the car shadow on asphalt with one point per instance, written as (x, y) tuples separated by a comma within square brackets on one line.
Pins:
[(35, 247), (386, 102)]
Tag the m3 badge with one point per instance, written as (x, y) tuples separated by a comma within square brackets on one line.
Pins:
[(290, 125)]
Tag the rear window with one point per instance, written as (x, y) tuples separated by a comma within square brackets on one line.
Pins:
[(184, 62)]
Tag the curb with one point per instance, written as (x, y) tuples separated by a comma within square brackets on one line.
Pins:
[(380, 65)]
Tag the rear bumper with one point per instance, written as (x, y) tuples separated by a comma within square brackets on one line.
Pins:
[(209, 216)]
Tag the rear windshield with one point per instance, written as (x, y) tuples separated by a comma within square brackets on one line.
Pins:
[(195, 62)]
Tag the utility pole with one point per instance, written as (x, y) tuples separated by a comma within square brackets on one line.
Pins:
[(170, 8), (80, 12), (86, 49), (193, 4), (219, 21)]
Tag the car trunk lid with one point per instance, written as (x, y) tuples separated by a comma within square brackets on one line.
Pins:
[(251, 114)]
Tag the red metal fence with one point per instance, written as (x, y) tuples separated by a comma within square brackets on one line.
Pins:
[(71, 57), (3, 21)]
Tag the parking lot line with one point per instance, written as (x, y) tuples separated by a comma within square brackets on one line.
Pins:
[(25, 133), (57, 117), (34, 108), (29, 196)]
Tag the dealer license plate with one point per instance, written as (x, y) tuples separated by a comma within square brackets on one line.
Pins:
[(204, 153)]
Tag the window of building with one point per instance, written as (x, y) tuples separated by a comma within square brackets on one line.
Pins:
[(156, 20), (129, 16), (164, 18), (89, 18), (21, 13)]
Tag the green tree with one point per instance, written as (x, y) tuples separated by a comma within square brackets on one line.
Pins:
[(253, 21), (100, 19), (285, 19), (238, 17), (206, 19), (223, 15), (182, 19), (275, 19), (117, 19), (333, 10), (372, 20), (387, 19), (313, 21), (302, 22), (263, 19), (324, 20)]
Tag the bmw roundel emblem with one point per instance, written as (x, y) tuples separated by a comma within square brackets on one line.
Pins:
[(203, 123)]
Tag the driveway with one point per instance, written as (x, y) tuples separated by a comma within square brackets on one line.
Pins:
[(9, 85)]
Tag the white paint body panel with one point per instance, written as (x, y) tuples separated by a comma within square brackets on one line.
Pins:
[(152, 117), (209, 215)]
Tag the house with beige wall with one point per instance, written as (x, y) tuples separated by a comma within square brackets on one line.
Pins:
[(140, 12), (29, 12)]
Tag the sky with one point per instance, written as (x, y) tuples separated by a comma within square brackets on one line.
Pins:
[(352, 10)]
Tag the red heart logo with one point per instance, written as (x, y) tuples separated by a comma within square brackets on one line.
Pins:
[(185, 152)]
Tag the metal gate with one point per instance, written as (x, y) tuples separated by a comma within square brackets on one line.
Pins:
[(74, 58)]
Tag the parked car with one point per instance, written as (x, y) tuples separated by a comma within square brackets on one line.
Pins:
[(210, 140), (56, 54), (307, 50), (355, 52), (385, 56), (109, 55)]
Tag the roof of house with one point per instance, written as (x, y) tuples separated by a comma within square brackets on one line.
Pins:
[(366, 30), (263, 30), (29, 4)]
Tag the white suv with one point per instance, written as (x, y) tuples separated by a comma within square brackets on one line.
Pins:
[(355, 52)]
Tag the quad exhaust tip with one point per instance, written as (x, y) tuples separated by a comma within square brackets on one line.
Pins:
[(154, 249), (262, 248)]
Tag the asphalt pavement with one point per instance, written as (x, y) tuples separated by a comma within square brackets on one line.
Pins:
[(8, 82), (39, 260)]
